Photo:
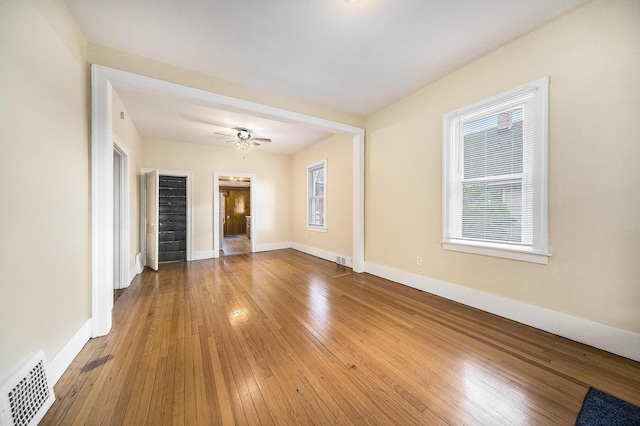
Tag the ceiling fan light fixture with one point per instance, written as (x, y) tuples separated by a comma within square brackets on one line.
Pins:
[(242, 144), (243, 134), (245, 139)]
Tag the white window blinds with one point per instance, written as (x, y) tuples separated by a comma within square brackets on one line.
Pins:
[(495, 167)]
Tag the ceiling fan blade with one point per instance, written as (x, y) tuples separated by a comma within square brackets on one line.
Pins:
[(261, 139), (223, 134), (253, 142)]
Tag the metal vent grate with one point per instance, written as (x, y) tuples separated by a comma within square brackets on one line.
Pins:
[(27, 395)]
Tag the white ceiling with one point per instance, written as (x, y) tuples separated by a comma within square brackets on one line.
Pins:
[(354, 57), (172, 118)]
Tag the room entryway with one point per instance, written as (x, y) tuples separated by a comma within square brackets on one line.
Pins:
[(121, 248), (167, 213), (235, 215)]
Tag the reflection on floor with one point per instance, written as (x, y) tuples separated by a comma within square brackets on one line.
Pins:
[(235, 244)]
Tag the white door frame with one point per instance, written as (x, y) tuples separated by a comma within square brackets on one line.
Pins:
[(121, 263), (103, 80), (216, 208)]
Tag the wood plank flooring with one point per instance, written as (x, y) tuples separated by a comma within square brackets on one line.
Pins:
[(237, 244), (283, 338)]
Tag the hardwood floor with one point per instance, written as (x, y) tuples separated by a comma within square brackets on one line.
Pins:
[(283, 338), (237, 244)]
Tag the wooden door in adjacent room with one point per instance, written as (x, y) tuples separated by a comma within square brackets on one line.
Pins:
[(237, 202)]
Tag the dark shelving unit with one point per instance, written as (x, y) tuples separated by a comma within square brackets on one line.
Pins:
[(172, 211)]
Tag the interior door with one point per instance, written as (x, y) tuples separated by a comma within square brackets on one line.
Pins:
[(152, 190), (237, 208)]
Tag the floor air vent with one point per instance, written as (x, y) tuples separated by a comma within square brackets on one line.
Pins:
[(26, 396)]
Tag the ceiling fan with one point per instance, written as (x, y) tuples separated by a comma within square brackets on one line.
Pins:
[(245, 139)]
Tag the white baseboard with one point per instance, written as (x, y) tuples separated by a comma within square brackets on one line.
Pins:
[(202, 254), (63, 359), (137, 268), (271, 246), (615, 340), (323, 254)]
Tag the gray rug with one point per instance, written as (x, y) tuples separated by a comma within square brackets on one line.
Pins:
[(600, 408)]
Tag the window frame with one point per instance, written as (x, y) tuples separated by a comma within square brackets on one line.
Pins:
[(537, 163), (310, 169)]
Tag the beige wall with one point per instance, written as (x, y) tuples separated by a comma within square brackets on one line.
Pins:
[(592, 56), (337, 150), (44, 173), (272, 186), (127, 133)]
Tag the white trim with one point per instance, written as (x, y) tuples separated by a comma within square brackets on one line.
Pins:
[(272, 246), (317, 229), (322, 254), (124, 248), (535, 95), (615, 340), (358, 202), (103, 80), (497, 251), (101, 202), (69, 351), (137, 268), (202, 254), (255, 215)]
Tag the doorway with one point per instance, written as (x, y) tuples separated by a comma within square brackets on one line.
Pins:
[(235, 215), (166, 216), (121, 247)]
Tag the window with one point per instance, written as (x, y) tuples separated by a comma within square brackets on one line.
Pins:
[(316, 195), (495, 175)]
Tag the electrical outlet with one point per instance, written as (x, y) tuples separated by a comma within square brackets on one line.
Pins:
[(418, 260)]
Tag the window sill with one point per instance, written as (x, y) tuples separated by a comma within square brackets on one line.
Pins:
[(317, 229), (497, 250)]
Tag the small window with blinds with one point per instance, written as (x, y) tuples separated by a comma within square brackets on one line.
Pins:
[(495, 175)]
